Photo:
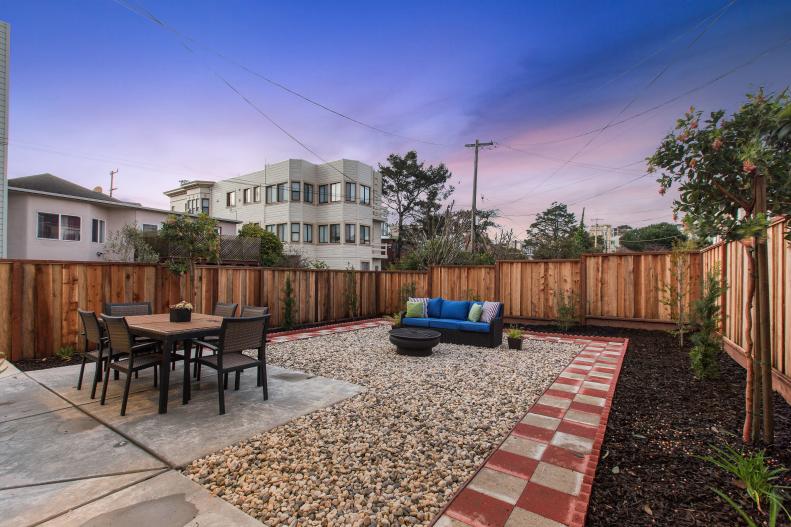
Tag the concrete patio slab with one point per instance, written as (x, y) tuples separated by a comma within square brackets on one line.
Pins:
[(22, 397), (167, 500), (34, 504), (9, 371), (65, 444)]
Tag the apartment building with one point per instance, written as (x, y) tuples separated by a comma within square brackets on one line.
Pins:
[(4, 50), (328, 212)]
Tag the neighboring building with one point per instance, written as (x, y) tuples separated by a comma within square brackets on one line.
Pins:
[(607, 237), (50, 218), (329, 212), (4, 72)]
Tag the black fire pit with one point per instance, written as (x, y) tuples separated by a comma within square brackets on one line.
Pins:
[(414, 341)]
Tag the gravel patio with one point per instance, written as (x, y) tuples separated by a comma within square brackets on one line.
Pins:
[(394, 454)]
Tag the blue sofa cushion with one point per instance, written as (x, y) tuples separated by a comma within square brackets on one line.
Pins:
[(455, 309), (443, 323), (434, 307), (477, 327), (415, 322)]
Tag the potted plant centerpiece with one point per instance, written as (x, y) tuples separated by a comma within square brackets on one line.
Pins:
[(515, 337), (181, 312)]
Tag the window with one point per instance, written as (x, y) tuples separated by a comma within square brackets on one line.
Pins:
[(307, 236), (323, 195), (230, 199), (323, 234), (335, 192), (97, 231), (204, 205), (147, 227), (351, 229), (270, 194), (351, 191), (281, 231), (308, 193), (48, 226), (365, 234), (257, 194), (335, 233), (365, 266), (295, 232), (295, 187), (247, 195), (281, 192), (70, 228), (270, 228), (365, 195), (385, 230)]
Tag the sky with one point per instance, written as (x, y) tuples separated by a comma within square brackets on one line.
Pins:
[(95, 86)]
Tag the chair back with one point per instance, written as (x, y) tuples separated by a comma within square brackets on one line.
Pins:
[(240, 334), (90, 326), (118, 331), (254, 311), (225, 310), (128, 310)]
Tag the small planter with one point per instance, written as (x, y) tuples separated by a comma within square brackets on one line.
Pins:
[(180, 314), (515, 343)]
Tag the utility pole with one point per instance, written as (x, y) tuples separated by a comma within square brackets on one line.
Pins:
[(477, 145), (112, 181)]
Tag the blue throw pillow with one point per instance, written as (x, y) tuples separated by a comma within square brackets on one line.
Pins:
[(434, 307), (455, 309)]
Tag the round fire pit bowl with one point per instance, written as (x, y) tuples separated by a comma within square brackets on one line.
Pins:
[(414, 341)]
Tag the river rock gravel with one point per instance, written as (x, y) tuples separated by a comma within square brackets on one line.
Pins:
[(392, 455)]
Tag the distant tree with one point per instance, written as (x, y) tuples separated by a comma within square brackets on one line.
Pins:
[(733, 174), (271, 247), (554, 234), (412, 191), (128, 244), (655, 237), (191, 239)]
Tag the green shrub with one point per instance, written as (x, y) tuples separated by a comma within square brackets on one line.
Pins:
[(271, 247), (350, 292), (289, 303), (566, 307), (65, 353), (707, 342)]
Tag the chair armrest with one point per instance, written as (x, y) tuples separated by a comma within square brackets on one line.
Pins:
[(204, 344), (145, 346)]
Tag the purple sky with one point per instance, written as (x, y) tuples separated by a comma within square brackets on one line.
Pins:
[(96, 87)]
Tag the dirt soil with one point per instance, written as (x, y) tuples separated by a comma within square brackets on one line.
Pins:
[(661, 419)]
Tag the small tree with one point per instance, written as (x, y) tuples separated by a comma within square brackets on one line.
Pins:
[(271, 247), (676, 293), (350, 292), (128, 244), (554, 234), (566, 308), (190, 240), (707, 342), (288, 304), (732, 174)]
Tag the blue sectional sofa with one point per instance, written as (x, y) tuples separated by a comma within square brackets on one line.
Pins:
[(449, 318)]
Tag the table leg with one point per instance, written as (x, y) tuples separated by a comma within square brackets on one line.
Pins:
[(187, 392), (168, 347)]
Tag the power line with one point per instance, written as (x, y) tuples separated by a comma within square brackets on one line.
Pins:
[(592, 166), (143, 12)]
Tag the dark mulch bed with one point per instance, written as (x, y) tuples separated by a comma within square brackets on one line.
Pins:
[(47, 362), (661, 419)]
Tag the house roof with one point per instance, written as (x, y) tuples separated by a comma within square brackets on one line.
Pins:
[(55, 185)]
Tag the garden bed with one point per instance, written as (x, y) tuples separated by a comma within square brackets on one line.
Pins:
[(661, 419)]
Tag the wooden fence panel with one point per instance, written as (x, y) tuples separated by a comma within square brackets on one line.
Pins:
[(530, 289), (391, 284), (463, 282)]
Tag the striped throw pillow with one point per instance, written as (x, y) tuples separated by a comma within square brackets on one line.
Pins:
[(490, 310), (423, 301)]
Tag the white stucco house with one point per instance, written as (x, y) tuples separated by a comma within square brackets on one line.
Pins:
[(328, 212), (50, 218)]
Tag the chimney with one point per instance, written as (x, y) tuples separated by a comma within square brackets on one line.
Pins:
[(98, 189)]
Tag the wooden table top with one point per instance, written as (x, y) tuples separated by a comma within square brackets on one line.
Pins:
[(161, 324)]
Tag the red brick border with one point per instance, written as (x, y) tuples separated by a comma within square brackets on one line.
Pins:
[(318, 331), (542, 473)]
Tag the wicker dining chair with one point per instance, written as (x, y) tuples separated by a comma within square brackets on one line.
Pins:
[(236, 336), (220, 310), (92, 333), (254, 311), (136, 357), (127, 310)]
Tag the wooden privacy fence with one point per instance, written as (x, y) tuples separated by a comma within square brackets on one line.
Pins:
[(39, 300)]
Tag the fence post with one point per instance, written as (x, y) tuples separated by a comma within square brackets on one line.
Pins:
[(724, 282), (17, 279), (497, 296), (583, 290), (429, 282)]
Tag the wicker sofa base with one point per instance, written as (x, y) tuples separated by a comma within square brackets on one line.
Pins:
[(492, 339)]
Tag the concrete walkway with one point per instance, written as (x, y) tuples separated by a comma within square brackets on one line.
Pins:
[(67, 460)]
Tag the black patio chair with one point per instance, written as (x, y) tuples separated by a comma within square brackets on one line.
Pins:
[(93, 333), (236, 336), (220, 310), (254, 311), (127, 310), (133, 357)]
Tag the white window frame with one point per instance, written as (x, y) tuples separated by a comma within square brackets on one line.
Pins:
[(230, 199), (100, 230), (60, 226), (335, 192)]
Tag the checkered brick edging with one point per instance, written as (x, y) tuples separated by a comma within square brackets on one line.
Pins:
[(299, 334), (541, 474)]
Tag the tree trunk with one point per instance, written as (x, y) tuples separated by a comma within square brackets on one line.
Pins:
[(398, 240), (747, 431), (764, 320)]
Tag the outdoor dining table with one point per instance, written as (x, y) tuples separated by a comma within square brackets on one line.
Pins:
[(160, 328)]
